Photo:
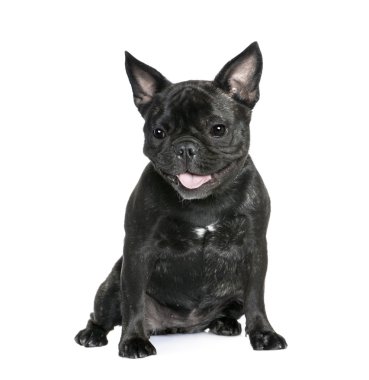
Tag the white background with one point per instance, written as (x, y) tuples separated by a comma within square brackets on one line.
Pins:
[(71, 152)]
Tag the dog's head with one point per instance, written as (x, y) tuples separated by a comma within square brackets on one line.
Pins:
[(197, 132)]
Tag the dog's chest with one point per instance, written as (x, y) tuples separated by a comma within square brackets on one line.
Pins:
[(199, 261)]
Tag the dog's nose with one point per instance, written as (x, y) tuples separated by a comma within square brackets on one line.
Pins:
[(186, 149)]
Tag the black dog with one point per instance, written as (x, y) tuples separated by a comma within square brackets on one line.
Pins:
[(195, 250)]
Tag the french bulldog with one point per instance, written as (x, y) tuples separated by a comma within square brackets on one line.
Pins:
[(195, 248)]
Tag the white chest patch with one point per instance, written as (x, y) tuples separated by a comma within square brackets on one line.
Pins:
[(200, 231)]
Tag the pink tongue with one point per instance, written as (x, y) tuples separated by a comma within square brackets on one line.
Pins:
[(192, 181)]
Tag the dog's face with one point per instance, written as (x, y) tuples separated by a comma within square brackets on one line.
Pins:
[(197, 132)]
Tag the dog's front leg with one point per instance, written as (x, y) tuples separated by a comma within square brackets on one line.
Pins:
[(136, 270), (261, 333)]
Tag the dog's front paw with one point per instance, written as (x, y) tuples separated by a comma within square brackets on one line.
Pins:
[(267, 340), (225, 326), (91, 336), (136, 348)]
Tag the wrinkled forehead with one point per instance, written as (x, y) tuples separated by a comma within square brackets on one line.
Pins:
[(191, 102), (190, 97)]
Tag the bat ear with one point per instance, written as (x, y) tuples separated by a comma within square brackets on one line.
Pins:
[(240, 77), (146, 82)]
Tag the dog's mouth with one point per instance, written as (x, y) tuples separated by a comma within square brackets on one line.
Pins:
[(193, 181), (190, 181)]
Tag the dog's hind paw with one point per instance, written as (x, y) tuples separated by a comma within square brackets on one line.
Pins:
[(92, 336), (225, 326)]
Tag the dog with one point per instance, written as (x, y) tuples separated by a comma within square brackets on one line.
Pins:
[(195, 249)]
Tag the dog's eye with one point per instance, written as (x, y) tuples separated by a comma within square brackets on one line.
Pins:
[(218, 130), (158, 133)]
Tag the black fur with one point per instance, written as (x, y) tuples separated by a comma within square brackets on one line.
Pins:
[(194, 258)]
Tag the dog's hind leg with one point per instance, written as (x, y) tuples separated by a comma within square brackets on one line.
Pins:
[(107, 313), (227, 323)]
